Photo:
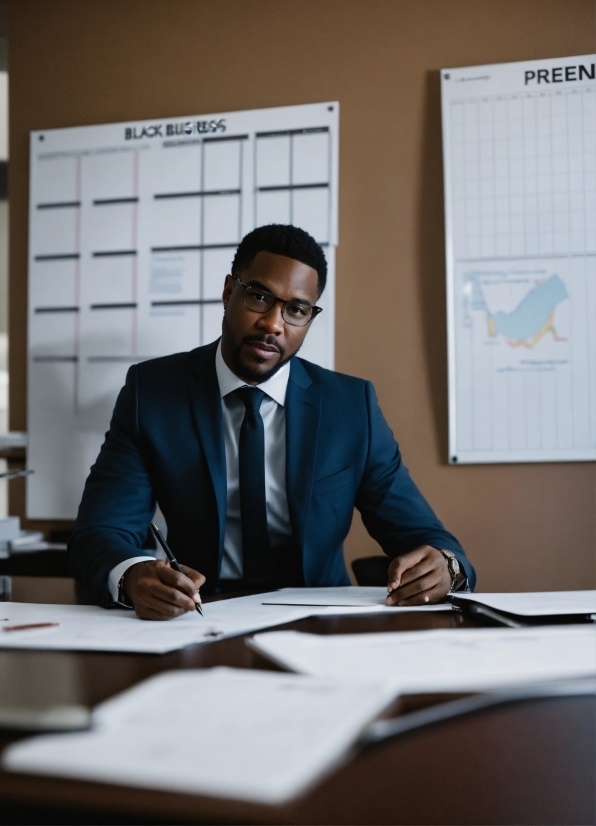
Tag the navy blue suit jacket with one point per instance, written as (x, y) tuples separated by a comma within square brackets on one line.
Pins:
[(165, 444)]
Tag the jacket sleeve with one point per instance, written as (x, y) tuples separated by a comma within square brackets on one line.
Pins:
[(118, 501), (393, 510)]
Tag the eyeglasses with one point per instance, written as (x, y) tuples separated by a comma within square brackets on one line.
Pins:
[(293, 312)]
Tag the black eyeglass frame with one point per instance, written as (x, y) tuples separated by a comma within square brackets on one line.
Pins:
[(314, 310)]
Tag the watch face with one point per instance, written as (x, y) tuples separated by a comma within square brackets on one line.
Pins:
[(449, 555), (452, 562)]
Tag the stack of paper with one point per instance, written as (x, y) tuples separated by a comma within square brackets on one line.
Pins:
[(12, 439), (362, 598), (41, 691), (248, 735), (442, 660), (90, 628)]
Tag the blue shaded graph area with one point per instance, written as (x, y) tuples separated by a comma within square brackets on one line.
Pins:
[(533, 313)]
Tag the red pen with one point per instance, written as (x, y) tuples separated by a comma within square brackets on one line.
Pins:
[(30, 626)]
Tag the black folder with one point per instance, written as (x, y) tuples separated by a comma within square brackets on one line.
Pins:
[(563, 610)]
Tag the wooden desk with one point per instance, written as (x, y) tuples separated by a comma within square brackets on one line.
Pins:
[(527, 763)]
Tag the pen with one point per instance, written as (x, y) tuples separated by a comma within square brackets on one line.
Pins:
[(30, 625), (173, 561), (15, 474)]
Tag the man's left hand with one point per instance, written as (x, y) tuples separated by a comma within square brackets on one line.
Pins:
[(419, 577)]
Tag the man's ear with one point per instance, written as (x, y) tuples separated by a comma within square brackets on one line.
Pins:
[(227, 290)]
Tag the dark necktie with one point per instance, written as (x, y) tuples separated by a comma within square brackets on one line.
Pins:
[(253, 503)]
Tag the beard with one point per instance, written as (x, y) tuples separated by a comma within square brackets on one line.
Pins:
[(242, 370)]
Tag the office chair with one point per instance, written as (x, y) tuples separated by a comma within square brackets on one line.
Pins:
[(371, 570)]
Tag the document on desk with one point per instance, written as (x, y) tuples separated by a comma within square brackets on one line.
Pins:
[(537, 603), (448, 660), (90, 628), (248, 735), (347, 596)]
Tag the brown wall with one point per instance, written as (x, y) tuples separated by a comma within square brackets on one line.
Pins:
[(75, 62)]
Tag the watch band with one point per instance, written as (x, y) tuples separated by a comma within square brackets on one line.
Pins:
[(122, 595), (452, 565)]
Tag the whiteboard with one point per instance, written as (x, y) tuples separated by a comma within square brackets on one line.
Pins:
[(132, 229), (519, 149)]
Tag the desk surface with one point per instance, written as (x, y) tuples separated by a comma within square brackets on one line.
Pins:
[(530, 762)]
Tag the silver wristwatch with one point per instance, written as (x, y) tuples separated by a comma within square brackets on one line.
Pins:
[(452, 564)]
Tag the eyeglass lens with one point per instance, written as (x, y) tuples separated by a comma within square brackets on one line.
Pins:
[(260, 302)]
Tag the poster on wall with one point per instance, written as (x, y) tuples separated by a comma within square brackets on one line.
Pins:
[(519, 151), (132, 229)]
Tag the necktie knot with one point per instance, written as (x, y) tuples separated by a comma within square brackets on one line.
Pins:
[(252, 398)]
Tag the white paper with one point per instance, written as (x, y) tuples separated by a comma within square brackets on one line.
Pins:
[(90, 628), (248, 735), (365, 610), (520, 232), (132, 230), (462, 659), (348, 596), (538, 603)]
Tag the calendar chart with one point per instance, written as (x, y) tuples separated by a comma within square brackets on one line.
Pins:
[(519, 150), (133, 227)]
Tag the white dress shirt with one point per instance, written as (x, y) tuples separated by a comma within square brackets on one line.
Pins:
[(274, 421), (273, 414)]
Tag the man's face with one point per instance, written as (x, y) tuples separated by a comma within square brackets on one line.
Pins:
[(255, 345)]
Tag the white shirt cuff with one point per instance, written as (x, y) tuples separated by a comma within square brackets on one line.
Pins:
[(118, 572)]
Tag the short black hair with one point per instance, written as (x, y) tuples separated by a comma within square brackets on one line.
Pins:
[(282, 239)]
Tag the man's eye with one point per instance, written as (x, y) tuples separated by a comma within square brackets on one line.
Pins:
[(261, 297), (297, 310)]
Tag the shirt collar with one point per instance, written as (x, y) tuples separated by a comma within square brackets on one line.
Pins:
[(275, 387)]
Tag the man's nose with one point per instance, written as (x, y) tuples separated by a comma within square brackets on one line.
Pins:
[(272, 321)]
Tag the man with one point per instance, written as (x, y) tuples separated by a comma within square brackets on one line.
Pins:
[(256, 458)]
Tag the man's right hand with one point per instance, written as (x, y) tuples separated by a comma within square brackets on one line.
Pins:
[(158, 592)]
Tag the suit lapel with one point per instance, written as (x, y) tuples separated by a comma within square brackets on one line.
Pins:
[(303, 414), (206, 406)]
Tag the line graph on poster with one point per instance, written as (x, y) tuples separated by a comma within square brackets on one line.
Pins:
[(520, 212)]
